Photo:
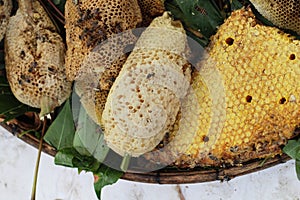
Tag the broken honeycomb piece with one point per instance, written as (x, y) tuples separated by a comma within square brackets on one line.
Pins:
[(282, 13), (34, 56), (143, 102)]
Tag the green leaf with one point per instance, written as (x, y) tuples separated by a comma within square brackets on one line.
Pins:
[(87, 163), (89, 148), (298, 168), (60, 4), (106, 176), (8, 103), (71, 158), (202, 16), (2, 55), (89, 139), (101, 150), (2, 65), (292, 149), (60, 134), (56, 2), (65, 157), (235, 5), (86, 136)]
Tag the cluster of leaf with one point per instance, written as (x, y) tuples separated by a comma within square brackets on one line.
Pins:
[(292, 149), (81, 148)]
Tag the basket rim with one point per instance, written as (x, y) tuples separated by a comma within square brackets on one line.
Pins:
[(172, 176)]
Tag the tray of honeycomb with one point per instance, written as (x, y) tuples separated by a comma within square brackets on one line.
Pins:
[(158, 97)]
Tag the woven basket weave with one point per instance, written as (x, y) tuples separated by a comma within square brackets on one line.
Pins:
[(173, 176)]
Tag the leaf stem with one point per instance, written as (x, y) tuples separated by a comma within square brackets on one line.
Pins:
[(25, 132), (12, 109), (4, 85), (125, 162), (33, 193)]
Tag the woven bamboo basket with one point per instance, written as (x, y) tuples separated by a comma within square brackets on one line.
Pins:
[(168, 175)]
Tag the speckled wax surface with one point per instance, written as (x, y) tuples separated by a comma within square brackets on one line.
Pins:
[(17, 160)]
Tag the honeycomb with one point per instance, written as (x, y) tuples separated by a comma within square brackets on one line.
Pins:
[(5, 9), (88, 25), (143, 102), (99, 70), (90, 22), (282, 13), (34, 56), (247, 90)]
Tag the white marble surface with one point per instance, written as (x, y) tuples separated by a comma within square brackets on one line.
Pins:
[(17, 161)]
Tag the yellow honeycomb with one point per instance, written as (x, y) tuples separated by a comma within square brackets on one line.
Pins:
[(258, 67)]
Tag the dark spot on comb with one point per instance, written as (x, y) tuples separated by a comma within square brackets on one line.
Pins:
[(292, 57), (22, 54), (282, 100), (205, 138), (249, 98), (150, 75), (229, 41)]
